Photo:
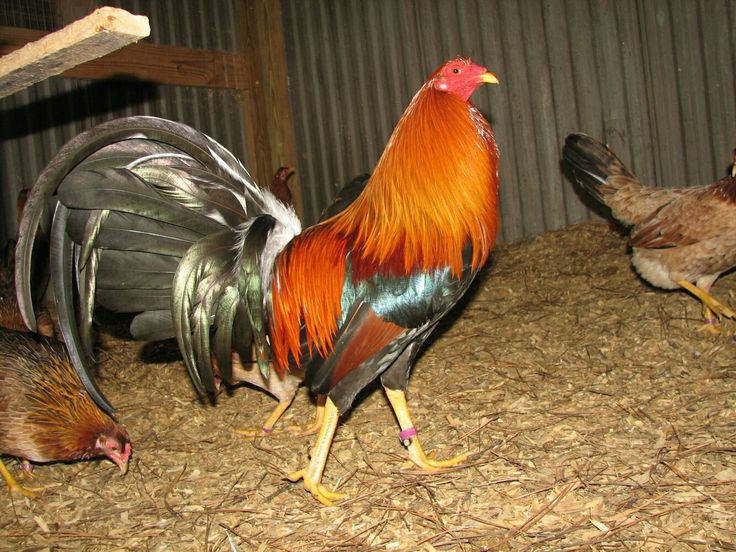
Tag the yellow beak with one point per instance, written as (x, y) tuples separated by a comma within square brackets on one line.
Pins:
[(489, 78)]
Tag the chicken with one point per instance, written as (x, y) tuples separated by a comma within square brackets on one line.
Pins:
[(345, 196), (11, 318), (279, 186), (10, 315), (223, 265), (45, 413), (680, 237), (393, 263)]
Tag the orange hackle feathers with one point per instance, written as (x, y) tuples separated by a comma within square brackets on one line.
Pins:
[(432, 193), (308, 283)]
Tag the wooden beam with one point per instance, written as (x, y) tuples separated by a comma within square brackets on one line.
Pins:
[(271, 142), (148, 62), (103, 31)]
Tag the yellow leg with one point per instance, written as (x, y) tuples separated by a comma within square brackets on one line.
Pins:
[(13, 485), (409, 436), (312, 474), (317, 424), (267, 427), (713, 309)]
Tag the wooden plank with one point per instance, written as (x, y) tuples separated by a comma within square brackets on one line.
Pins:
[(103, 31), (148, 62)]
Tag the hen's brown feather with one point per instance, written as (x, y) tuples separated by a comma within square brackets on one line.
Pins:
[(45, 413), (677, 233)]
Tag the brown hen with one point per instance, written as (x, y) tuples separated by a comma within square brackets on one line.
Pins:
[(279, 186), (680, 237), (45, 413)]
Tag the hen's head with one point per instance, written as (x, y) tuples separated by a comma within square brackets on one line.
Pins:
[(283, 173), (461, 77), (115, 444)]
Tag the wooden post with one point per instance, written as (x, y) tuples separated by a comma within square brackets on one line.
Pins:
[(266, 107)]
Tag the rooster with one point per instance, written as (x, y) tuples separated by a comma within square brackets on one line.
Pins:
[(680, 237), (155, 217), (45, 413)]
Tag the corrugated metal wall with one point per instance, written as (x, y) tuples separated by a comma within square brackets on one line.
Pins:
[(36, 122), (653, 78)]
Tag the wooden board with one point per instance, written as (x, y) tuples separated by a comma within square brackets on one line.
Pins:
[(103, 31), (156, 63)]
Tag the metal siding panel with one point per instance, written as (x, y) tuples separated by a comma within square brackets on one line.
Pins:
[(690, 78), (664, 96), (719, 44), (637, 129), (547, 184), (562, 88), (613, 69), (498, 106), (655, 78)]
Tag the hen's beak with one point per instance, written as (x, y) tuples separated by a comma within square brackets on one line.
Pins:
[(122, 464), (121, 458), (489, 78)]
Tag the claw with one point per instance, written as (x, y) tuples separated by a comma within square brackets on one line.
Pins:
[(311, 429), (14, 486), (267, 428), (319, 491), (711, 305), (312, 474), (410, 438), (419, 458), (710, 326)]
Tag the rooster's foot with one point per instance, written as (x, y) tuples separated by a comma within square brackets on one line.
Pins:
[(312, 474), (418, 458), (410, 439), (267, 428), (312, 484), (311, 429)]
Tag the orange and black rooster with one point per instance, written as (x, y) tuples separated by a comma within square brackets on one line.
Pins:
[(680, 237), (154, 217), (45, 413)]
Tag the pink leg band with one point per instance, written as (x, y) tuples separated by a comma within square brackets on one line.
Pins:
[(408, 434)]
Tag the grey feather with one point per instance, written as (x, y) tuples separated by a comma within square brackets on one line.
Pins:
[(87, 280), (152, 326), (224, 321), (135, 270), (160, 220), (127, 232), (122, 190), (62, 262)]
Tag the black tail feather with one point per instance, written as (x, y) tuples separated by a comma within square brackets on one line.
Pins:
[(592, 162)]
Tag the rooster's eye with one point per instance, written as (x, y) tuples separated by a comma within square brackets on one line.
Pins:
[(456, 71)]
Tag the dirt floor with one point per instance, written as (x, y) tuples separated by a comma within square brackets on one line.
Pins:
[(599, 418)]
